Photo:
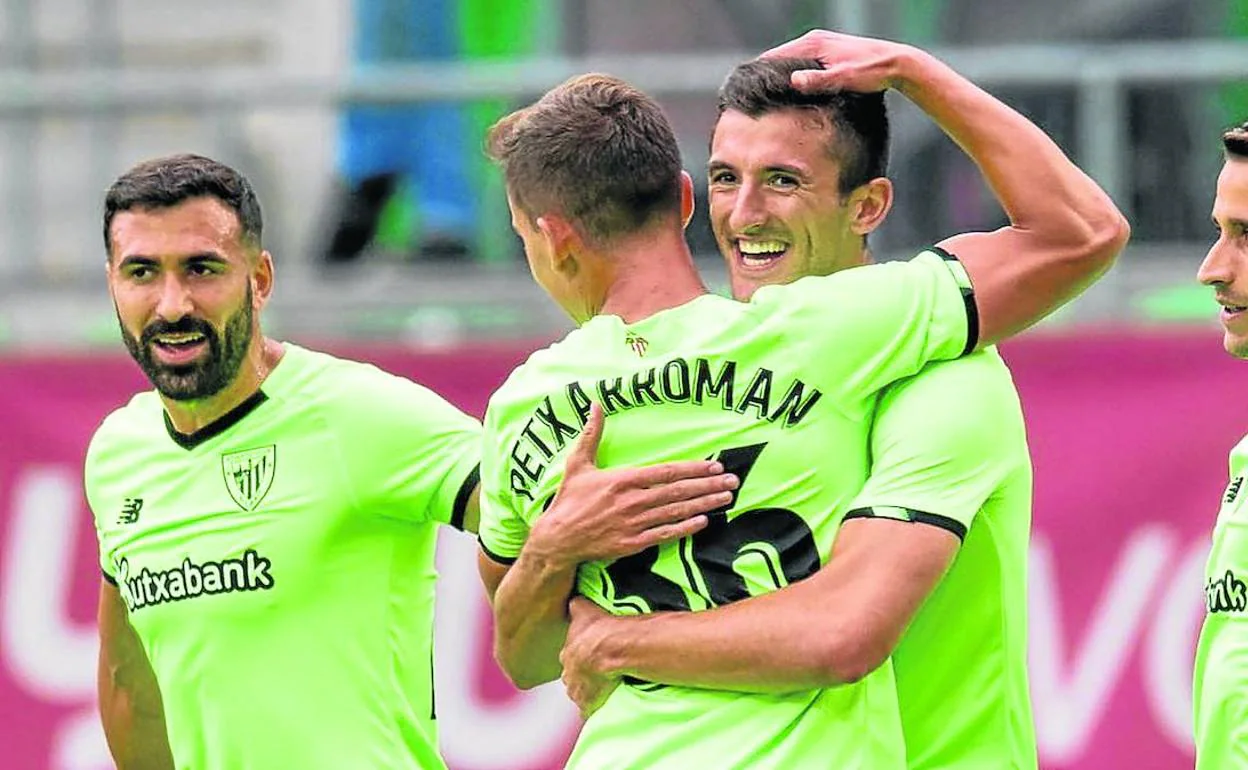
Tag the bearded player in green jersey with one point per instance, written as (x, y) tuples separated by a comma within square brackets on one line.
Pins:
[(267, 515), (780, 390), (948, 450), (1220, 687)]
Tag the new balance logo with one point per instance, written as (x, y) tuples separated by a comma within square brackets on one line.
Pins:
[(147, 589), (130, 510), (1232, 491)]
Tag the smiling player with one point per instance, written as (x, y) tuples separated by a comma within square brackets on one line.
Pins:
[(1220, 689)]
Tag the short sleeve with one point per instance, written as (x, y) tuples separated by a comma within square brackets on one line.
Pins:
[(503, 529), (90, 473), (943, 442), (411, 455), (870, 326)]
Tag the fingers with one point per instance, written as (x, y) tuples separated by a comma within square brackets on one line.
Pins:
[(585, 452), (713, 491), (590, 695), (574, 692), (673, 531), (866, 76), (814, 81), (683, 510), (808, 46), (592, 704), (577, 695), (666, 473)]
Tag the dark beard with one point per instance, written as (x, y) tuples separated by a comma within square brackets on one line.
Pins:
[(204, 378)]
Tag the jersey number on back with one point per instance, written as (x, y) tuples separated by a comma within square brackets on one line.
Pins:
[(777, 537)]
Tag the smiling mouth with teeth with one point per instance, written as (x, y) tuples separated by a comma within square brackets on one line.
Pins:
[(179, 341), (760, 253)]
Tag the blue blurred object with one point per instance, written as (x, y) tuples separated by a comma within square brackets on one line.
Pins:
[(417, 151)]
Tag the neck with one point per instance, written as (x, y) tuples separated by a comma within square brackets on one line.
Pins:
[(652, 274), (190, 416)]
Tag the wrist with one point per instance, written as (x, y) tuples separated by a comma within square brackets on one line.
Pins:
[(614, 640), (619, 644), (545, 547), (910, 69)]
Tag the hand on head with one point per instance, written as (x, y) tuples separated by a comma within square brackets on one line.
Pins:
[(850, 62)]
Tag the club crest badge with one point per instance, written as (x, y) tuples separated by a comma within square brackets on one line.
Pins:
[(637, 343), (249, 474)]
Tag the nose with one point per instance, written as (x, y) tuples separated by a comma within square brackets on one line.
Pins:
[(748, 212), (1217, 268), (175, 300)]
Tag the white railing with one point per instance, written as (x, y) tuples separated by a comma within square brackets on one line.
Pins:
[(1099, 74)]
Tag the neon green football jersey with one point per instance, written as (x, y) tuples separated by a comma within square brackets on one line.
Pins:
[(781, 390), (278, 564), (1220, 689), (949, 449)]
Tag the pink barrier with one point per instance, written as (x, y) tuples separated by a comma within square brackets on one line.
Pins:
[(1129, 433)]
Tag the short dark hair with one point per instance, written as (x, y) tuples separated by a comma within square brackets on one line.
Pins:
[(857, 122), (1235, 141), (594, 149), (167, 181)]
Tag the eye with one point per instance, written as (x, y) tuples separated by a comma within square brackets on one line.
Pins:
[(785, 181), (722, 176), (139, 272)]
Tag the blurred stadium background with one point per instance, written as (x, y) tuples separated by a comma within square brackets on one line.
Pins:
[(1131, 404)]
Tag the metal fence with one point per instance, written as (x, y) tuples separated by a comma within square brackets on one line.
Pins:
[(1099, 75)]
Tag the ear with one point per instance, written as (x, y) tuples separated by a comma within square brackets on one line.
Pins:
[(869, 204), (687, 200), (262, 279), (563, 243)]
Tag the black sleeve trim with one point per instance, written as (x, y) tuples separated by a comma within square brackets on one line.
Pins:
[(957, 528), (112, 580), (508, 560), (968, 299), (462, 496)]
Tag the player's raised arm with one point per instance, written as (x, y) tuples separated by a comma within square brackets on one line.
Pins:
[(1064, 230), (130, 704)]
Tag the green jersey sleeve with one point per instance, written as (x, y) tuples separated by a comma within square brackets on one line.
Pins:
[(503, 529), (1220, 674), (409, 454), (99, 444), (942, 443), (870, 326), (88, 489)]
